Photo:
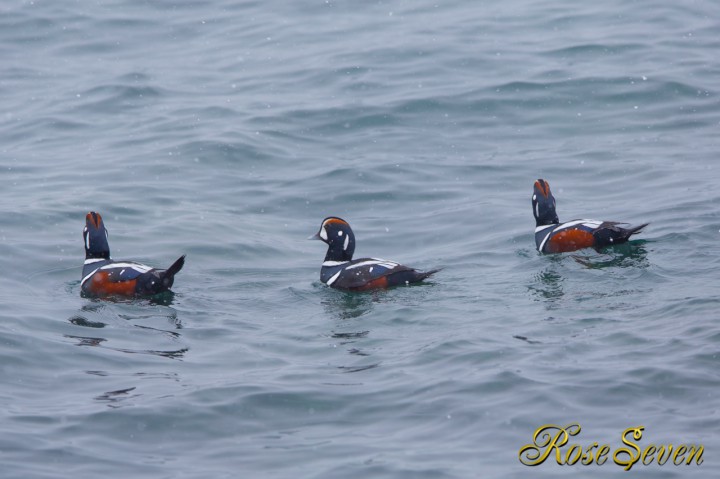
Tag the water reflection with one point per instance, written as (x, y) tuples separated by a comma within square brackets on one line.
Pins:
[(100, 314), (101, 309), (526, 339), (118, 397), (357, 369), (550, 283), (98, 342), (628, 255), (344, 305), (547, 284), (162, 299), (165, 298), (347, 339), (113, 398), (348, 310), (82, 321), (86, 341)]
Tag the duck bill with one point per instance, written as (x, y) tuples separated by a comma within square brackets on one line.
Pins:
[(316, 236)]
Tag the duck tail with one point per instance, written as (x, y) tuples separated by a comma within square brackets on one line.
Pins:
[(427, 274), (635, 229), (168, 276), (178, 264)]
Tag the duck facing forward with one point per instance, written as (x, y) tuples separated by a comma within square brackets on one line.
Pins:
[(103, 276), (551, 236), (340, 271)]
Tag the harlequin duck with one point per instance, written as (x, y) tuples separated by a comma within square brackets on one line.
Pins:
[(340, 271), (102, 276), (551, 236)]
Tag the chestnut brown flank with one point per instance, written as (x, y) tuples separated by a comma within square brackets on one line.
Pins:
[(570, 240), (380, 283), (101, 285)]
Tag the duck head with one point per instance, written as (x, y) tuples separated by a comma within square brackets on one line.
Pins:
[(543, 203), (339, 237), (96, 237)]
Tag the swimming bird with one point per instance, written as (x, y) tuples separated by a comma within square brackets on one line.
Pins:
[(551, 236), (103, 276), (340, 271)]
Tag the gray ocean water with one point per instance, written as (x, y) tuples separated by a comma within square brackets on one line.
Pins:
[(228, 130)]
